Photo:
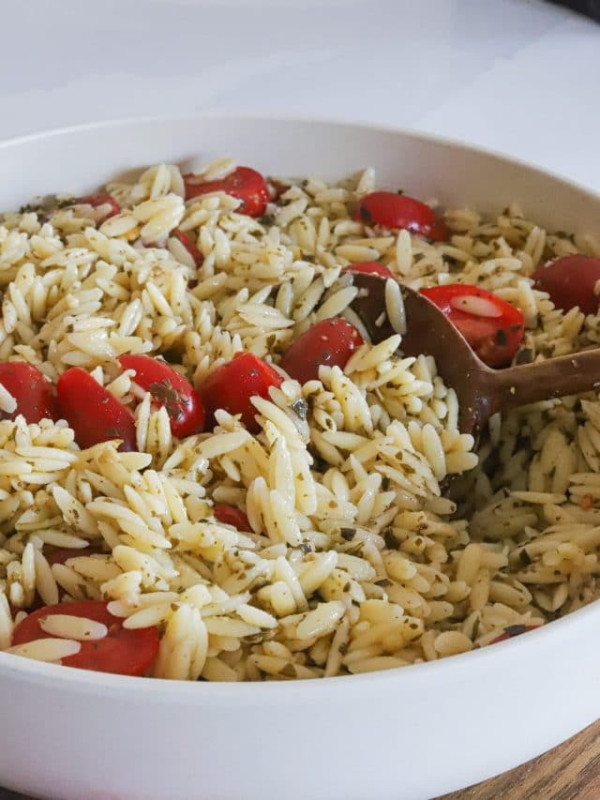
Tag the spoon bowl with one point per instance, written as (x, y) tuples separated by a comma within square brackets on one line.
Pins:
[(481, 391)]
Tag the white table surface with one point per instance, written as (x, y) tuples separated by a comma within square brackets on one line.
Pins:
[(519, 76)]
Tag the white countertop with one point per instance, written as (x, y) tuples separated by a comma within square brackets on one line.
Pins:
[(519, 76)]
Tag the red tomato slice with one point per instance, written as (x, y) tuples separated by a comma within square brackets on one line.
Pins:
[(230, 515), (513, 630), (570, 282), (329, 343), (97, 200), (93, 413), (232, 385), (169, 389), (370, 268), (400, 211), (31, 389), (189, 246), (122, 651), (245, 183), (493, 327)]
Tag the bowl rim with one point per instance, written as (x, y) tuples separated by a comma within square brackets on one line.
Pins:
[(409, 678), (513, 653), (339, 121)]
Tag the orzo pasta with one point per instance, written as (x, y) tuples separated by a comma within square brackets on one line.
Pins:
[(219, 518)]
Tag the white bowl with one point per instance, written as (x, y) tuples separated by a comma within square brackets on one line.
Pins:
[(410, 733)]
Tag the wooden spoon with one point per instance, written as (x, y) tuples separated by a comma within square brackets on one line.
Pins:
[(481, 391)]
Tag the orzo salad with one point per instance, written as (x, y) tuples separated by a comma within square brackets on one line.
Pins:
[(209, 472)]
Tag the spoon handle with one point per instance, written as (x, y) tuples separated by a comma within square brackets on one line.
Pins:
[(542, 380)]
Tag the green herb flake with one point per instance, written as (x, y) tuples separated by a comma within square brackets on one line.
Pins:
[(365, 214), (390, 540), (524, 557), (515, 630)]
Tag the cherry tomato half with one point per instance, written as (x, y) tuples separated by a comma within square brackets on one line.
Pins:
[(511, 631), (31, 389), (93, 413), (233, 384), (370, 268), (97, 200), (189, 246), (493, 327), (400, 211), (122, 651), (330, 343), (169, 389), (231, 515), (570, 282), (245, 183)]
